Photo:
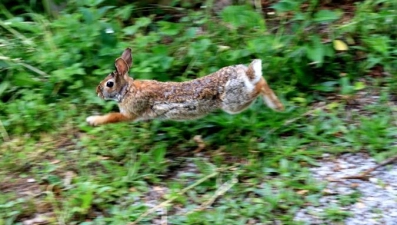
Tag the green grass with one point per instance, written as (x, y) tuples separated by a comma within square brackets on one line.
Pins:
[(245, 173), (222, 169)]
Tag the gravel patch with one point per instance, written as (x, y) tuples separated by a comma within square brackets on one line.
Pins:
[(377, 198)]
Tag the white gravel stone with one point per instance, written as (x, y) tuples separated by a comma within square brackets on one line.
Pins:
[(378, 202)]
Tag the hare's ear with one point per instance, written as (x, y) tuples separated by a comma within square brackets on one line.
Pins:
[(123, 63), (121, 66), (127, 57)]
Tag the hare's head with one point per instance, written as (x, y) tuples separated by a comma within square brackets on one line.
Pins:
[(115, 85)]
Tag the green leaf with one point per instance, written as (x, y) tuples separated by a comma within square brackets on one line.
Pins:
[(102, 11), (285, 6), (359, 85), (65, 74), (326, 16), (93, 3), (139, 23), (169, 28), (87, 15), (316, 51), (316, 54), (24, 80), (23, 25), (378, 43), (242, 16), (143, 22), (199, 47), (328, 86), (345, 85), (3, 87), (125, 12), (54, 179)]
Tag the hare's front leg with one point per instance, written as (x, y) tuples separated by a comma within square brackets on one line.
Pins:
[(108, 118)]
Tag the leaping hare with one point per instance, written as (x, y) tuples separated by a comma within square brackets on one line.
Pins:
[(231, 89)]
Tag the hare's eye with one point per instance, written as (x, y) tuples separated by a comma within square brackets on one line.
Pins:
[(109, 84)]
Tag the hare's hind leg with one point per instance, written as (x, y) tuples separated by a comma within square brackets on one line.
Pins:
[(268, 95), (254, 73), (240, 92)]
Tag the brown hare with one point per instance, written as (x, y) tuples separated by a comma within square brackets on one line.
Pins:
[(231, 89)]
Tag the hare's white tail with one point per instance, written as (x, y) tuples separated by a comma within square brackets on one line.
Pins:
[(254, 73)]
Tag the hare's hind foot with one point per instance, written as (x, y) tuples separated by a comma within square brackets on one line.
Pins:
[(108, 118)]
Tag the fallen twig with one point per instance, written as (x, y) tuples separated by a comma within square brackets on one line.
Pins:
[(183, 191), (366, 174), (201, 144), (27, 66), (221, 191), (164, 218), (293, 120)]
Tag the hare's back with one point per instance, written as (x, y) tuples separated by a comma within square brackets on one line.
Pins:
[(190, 99), (209, 87)]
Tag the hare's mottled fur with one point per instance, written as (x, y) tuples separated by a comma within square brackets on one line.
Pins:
[(231, 89)]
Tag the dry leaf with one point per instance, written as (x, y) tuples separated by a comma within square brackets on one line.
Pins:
[(55, 161), (159, 189), (68, 178), (328, 192), (302, 192), (340, 45)]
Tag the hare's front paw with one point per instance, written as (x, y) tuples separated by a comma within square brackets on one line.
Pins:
[(94, 120)]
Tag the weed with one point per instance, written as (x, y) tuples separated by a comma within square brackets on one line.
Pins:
[(336, 214), (245, 169)]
